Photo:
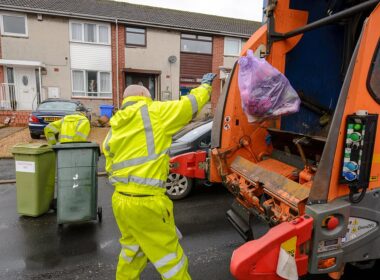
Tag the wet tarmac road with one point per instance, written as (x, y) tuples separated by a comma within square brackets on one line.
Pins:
[(34, 248)]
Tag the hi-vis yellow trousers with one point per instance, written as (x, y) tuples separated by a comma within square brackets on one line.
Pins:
[(148, 232)]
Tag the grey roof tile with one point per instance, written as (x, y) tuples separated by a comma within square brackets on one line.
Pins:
[(138, 14)]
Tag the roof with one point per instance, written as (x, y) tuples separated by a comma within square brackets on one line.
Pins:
[(107, 10)]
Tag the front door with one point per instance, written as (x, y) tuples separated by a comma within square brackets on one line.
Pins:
[(26, 89), (147, 80)]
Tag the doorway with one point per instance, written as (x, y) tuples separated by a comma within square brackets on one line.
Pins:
[(150, 81), (25, 87)]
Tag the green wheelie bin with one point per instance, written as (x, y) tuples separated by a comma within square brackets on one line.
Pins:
[(35, 178), (77, 182)]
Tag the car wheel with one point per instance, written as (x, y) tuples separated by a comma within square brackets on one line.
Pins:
[(35, 136), (178, 186)]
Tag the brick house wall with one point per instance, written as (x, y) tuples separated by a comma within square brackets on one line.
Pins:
[(217, 61), (17, 118), (118, 68)]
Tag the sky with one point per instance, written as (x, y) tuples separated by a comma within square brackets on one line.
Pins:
[(242, 9)]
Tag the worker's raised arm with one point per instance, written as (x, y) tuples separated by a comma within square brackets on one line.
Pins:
[(51, 130), (176, 114)]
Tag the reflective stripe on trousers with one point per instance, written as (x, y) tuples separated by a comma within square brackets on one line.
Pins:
[(129, 252), (166, 260)]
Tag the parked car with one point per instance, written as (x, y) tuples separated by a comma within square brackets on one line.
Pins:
[(194, 137), (51, 110)]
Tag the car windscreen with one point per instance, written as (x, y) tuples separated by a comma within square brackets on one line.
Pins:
[(57, 106), (195, 133)]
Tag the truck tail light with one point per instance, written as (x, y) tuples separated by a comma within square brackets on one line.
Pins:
[(326, 263)]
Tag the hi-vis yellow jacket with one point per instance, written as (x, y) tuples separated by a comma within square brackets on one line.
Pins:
[(71, 128), (136, 147)]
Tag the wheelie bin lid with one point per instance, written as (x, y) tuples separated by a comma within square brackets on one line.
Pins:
[(31, 149), (76, 145)]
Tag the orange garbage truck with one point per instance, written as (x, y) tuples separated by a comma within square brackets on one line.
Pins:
[(306, 185)]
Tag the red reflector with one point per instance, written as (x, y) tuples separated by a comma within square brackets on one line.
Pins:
[(332, 223), (33, 119)]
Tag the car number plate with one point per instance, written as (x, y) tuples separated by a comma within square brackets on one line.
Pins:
[(51, 119)]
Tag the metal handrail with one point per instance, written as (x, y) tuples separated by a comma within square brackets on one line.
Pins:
[(8, 96)]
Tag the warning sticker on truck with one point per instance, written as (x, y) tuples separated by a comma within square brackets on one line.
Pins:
[(286, 266), (358, 227)]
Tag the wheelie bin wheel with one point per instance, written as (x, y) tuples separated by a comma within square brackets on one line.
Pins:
[(100, 214)]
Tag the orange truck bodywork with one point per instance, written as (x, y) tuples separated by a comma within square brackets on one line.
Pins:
[(278, 192)]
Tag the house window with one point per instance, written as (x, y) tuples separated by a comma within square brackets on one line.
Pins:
[(135, 36), (91, 83), (196, 44), (373, 82), (103, 34), (76, 32), (89, 33), (233, 46), (14, 25)]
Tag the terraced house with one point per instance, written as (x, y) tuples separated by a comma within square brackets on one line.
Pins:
[(92, 49)]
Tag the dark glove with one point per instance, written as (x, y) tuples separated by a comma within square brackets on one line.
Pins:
[(208, 78)]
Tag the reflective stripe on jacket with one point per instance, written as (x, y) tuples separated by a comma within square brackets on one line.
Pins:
[(71, 128), (136, 147)]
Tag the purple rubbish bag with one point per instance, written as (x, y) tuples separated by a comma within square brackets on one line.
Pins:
[(265, 92)]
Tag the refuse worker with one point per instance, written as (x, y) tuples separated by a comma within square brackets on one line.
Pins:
[(71, 128), (137, 161)]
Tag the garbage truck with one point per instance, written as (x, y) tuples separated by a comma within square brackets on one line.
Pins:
[(306, 185)]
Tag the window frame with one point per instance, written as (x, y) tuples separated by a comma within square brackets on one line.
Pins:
[(375, 96), (108, 33), (97, 25), (197, 40), (96, 33), (3, 33), (136, 45), (240, 46), (85, 85), (110, 83), (72, 81)]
